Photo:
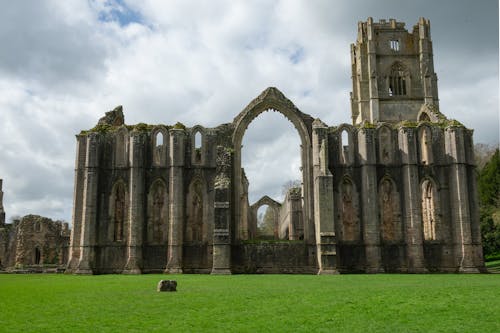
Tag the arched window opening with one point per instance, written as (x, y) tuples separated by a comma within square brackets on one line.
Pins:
[(38, 256), (345, 146), (197, 140), (428, 210), (272, 158), (425, 140), (159, 139), (265, 222), (424, 117), (159, 148), (397, 80), (345, 139)]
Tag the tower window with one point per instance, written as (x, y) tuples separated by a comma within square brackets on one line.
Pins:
[(397, 80), (397, 85), (394, 45)]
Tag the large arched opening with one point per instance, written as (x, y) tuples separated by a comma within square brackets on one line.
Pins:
[(273, 100)]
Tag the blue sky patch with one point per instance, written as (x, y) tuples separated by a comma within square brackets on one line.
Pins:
[(118, 11), (297, 55)]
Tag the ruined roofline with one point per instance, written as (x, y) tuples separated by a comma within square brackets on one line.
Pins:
[(272, 96), (265, 200)]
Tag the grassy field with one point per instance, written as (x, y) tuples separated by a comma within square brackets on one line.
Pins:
[(251, 303)]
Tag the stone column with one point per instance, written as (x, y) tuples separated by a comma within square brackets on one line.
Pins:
[(459, 196), (2, 211), (412, 206), (136, 205), (176, 215), (89, 213), (372, 72), (369, 197), (475, 222), (323, 201), (221, 263), (74, 249)]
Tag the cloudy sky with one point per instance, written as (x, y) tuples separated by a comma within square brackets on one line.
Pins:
[(64, 63)]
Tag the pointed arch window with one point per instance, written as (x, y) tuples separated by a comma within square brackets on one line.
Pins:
[(159, 139), (428, 210), (398, 80)]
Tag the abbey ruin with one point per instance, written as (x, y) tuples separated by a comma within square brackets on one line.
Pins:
[(32, 243), (395, 191)]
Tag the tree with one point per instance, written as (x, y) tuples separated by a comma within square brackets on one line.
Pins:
[(489, 182), (291, 184), (489, 195), (265, 222)]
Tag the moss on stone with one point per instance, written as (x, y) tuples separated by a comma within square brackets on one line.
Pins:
[(142, 127), (179, 125), (409, 123)]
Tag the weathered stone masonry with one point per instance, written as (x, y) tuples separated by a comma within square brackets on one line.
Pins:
[(394, 192)]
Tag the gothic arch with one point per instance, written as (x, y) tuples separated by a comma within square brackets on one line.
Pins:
[(390, 211), (118, 212), (430, 113), (273, 205), (273, 99), (349, 211), (425, 144), (430, 209), (159, 149), (157, 223), (198, 153), (345, 132), (385, 144), (398, 80), (195, 230)]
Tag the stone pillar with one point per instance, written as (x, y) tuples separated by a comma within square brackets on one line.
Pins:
[(459, 196), (136, 205), (74, 249), (221, 263), (429, 78), (412, 206), (369, 197), (323, 201), (372, 72), (2, 211), (176, 216), (89, 213)]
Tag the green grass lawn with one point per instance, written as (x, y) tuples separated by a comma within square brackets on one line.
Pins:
[(251, 303)]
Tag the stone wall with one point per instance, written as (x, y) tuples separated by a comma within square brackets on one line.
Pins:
[(274, 258), (34, 242)]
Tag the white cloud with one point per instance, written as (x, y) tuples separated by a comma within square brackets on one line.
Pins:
[(64, 63)]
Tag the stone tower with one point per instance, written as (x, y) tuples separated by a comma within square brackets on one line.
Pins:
[(392, 72), (2, 211)]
